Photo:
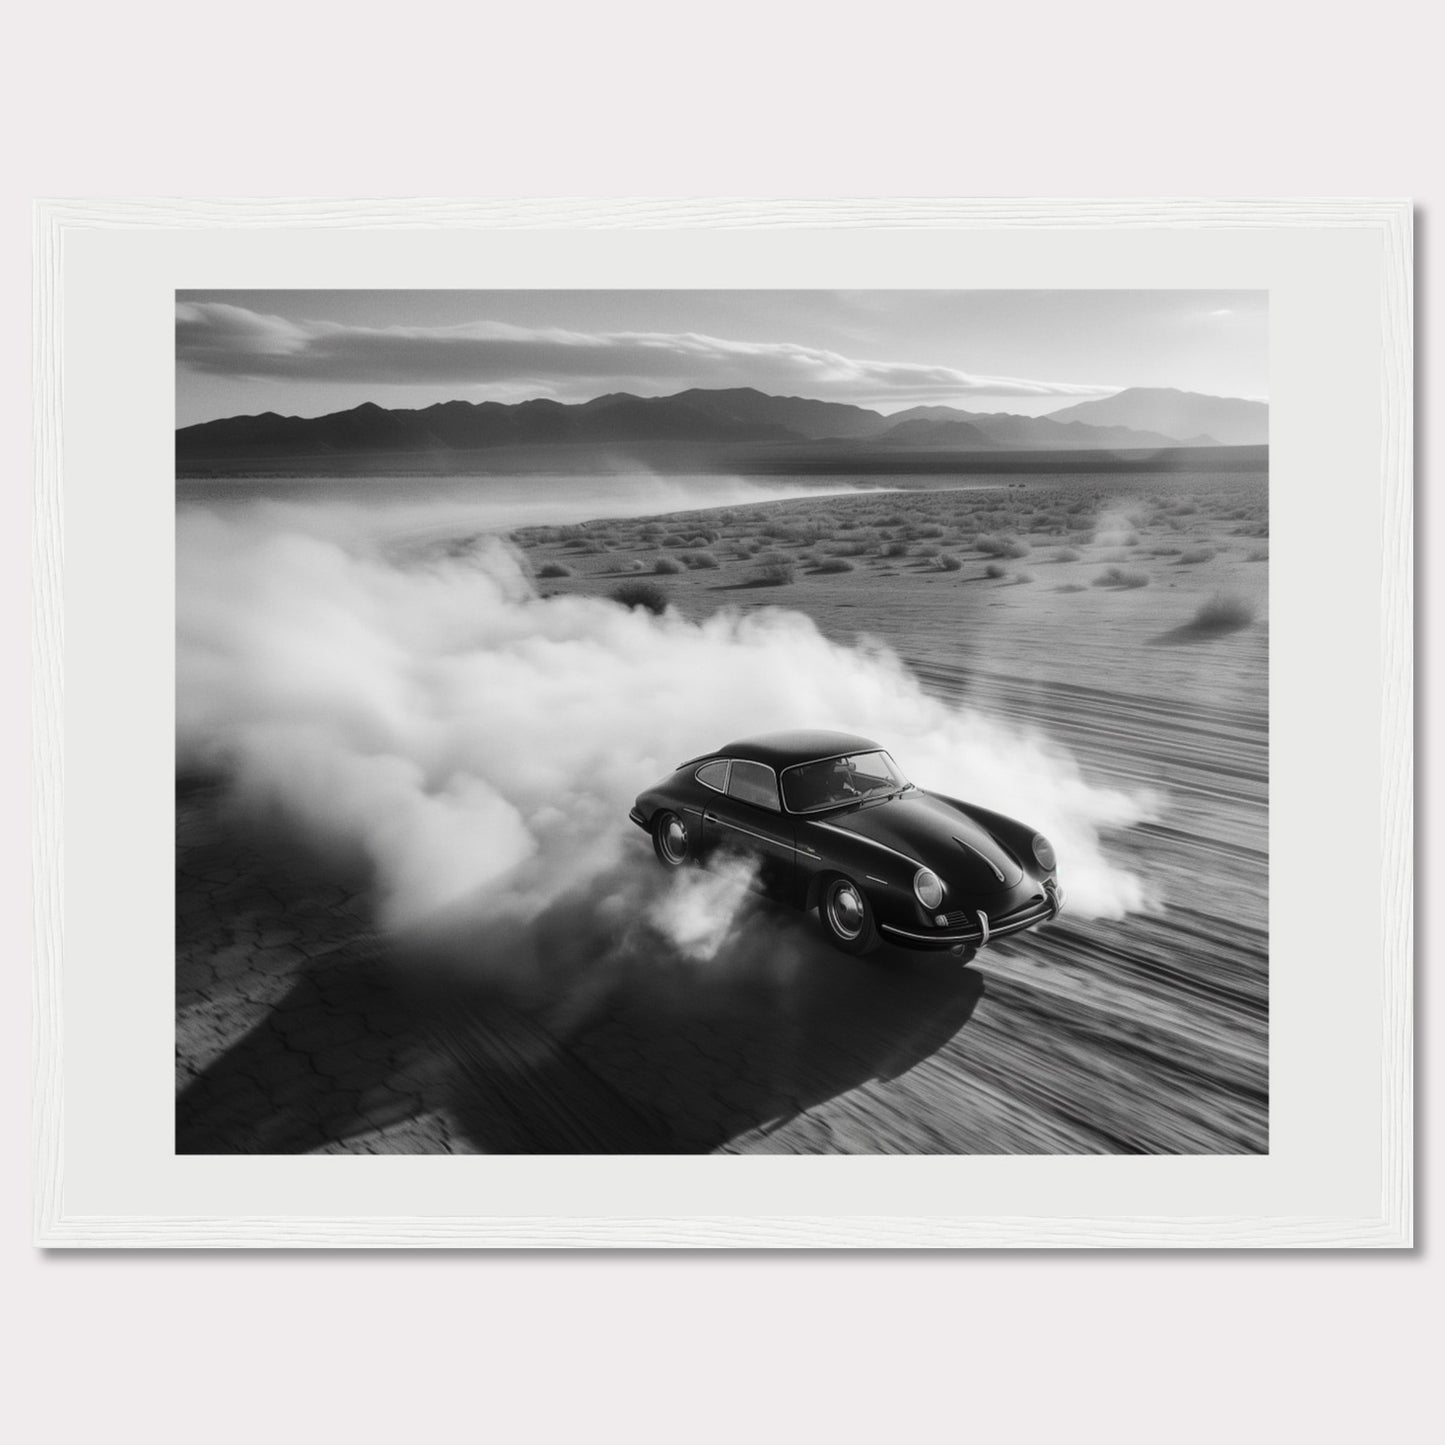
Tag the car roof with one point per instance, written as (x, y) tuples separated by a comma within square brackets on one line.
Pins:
[(782, 750)]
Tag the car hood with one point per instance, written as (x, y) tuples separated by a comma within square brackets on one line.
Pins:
[(936, 834)]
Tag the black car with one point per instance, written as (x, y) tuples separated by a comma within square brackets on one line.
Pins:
[(834, 825)]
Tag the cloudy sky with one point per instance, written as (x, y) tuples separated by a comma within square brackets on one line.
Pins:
[(310, 352)]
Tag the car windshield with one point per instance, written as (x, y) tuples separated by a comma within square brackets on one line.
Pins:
[(833, 782)]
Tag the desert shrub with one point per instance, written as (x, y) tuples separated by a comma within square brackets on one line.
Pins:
[(1023, 576), (894, 549), (834, 564), (1184, 509), (549, 570), (652, 529), (1164, 551), (1196, 554), (927, 529), (995, 569), (802, 535), (1224, 612), (1078, 522), (1120, 577), (674, 539), (949, 564), (1258, 554), (893, 519), (848, 549), (1001, 545), (632, 564), (1066, 554), (773, 574), (931, 550), (666, 566), (647, 595), (700, 561), (1072, 587)]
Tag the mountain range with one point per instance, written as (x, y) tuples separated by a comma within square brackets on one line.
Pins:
[(1138, 418), (1230, 420)]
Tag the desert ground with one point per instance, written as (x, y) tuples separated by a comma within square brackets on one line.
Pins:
[(1124, 617)]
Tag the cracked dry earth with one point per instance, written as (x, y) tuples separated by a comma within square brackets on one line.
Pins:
[(289, 1037)]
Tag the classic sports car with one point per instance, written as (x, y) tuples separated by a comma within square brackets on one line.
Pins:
[(833, 825)]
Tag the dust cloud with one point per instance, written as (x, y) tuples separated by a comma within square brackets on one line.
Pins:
[(421, 711)]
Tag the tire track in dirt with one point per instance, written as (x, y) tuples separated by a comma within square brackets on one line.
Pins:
[(1144, 1035)]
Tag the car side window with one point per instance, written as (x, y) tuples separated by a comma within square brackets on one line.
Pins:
[(714, 775), (753, 783)]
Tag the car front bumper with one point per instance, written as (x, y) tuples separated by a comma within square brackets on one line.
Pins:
[(636, 815), (1030, 916)]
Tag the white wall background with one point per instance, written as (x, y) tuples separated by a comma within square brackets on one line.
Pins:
[(803, 99)]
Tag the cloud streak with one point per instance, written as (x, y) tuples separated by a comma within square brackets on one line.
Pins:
[(220, 339)]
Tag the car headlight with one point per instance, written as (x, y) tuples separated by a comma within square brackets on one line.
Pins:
[(928, 887), (1044, 853)]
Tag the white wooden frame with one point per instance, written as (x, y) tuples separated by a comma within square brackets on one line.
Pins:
[(1387, 1221)]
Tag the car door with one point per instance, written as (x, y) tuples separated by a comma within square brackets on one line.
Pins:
[(747, 819)]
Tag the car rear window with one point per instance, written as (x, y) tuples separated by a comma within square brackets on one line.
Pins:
[(753, 783), (714, 775)]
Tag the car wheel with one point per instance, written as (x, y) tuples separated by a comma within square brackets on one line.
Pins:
[(670, 841), (847, 916)]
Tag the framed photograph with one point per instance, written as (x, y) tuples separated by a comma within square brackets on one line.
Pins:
[(689, 724)]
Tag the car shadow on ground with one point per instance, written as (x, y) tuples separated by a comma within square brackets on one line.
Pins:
[(563, 1039), (631, 1046), (586, 1029)]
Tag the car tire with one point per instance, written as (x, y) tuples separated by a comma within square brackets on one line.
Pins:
[(847, 916), (670, 840)]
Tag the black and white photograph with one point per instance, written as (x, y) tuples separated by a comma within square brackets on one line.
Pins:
[(722, 721)]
